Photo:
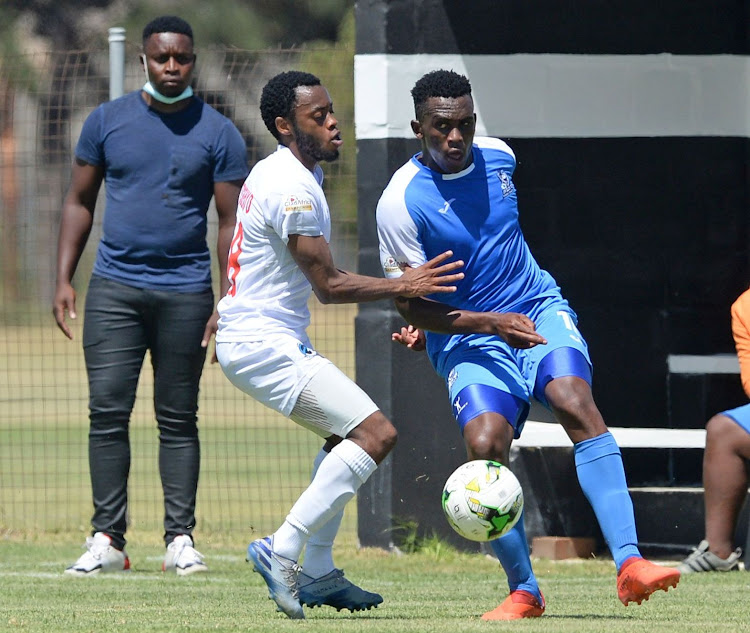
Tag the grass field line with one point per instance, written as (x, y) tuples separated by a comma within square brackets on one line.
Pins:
[(228, 558), (125, 576)]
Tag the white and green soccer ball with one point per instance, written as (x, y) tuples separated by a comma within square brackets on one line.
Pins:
[(482, 500)]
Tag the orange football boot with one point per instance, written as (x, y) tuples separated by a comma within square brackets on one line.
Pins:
[(519, 604), (639, 578)]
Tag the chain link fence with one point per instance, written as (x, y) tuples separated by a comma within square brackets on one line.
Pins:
[(254, 463)]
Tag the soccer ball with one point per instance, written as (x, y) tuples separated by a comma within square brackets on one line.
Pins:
[(482, 500)]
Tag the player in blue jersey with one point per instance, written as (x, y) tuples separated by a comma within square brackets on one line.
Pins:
[(163, 154), (508, 334)]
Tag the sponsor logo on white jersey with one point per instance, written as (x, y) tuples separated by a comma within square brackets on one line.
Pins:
[(391, 266), (296, 204)]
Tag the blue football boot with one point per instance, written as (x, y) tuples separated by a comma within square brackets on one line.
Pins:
[(280, 575), (335, 591)]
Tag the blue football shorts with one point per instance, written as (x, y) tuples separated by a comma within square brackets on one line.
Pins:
[(484, 373), (741, 415)]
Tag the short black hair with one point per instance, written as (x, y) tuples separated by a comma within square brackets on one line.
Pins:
[(438, 83), (167, 24), (279, 97)]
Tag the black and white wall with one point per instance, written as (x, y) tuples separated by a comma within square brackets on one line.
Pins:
[(630, 123)]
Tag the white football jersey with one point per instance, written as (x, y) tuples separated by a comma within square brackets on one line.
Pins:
[(268, 292)]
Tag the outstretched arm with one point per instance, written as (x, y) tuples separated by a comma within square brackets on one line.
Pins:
[(332, 285), (75, 227), (516, 329)]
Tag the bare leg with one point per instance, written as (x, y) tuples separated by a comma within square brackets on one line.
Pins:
[(488, 436), (725, 481), (574, 408)]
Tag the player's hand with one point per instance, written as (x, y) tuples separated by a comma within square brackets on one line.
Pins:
[(212, 326), (410, 337), (517, 330), (65, 300), (432, 276)]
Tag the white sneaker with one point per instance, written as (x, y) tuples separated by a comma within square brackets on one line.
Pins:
[(100, 557), (703, 560), (182, 557)]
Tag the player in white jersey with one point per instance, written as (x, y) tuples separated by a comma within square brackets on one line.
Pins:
[(279, 255), (507, 335)]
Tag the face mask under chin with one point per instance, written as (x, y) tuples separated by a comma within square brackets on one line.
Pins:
[(149, 89)]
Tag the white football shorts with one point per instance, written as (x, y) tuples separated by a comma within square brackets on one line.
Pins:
[(287, 375)]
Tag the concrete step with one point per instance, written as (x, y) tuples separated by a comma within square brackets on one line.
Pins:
[(668, 520), (671, 519)]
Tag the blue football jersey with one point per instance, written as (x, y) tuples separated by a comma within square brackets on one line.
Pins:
[(474, 213)]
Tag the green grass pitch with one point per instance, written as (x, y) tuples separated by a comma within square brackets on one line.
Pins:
[(436, 590)]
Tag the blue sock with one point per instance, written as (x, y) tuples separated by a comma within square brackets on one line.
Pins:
[(602, 479), (512, 550)]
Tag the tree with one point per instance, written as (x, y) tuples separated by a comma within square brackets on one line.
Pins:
[(72, 29)]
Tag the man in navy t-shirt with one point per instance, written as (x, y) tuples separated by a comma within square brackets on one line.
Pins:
[(163, 154)]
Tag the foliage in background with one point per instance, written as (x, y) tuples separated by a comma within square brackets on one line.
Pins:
[(53, 56), (342, 199), (251, 23), (407, 538), (75, 24)]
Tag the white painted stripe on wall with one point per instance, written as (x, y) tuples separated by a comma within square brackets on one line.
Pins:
[(539, 96)]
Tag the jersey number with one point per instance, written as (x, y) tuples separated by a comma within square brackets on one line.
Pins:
[(568, 320), (233, 262)]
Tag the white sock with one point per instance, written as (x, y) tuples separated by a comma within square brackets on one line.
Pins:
[(319, 550), (339, 476)]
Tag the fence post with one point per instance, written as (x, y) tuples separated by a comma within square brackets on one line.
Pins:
[(116, 62)]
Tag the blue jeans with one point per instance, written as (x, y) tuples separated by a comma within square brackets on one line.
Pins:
[(121, 323)]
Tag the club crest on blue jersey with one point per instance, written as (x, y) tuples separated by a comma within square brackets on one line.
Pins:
[(506, 184), (305, 350)]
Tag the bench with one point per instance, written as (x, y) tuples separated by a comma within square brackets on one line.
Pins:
[(695, 364), (707, 365), (544, 434)]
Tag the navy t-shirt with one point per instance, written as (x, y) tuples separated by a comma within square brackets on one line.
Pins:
[(159, 172)]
